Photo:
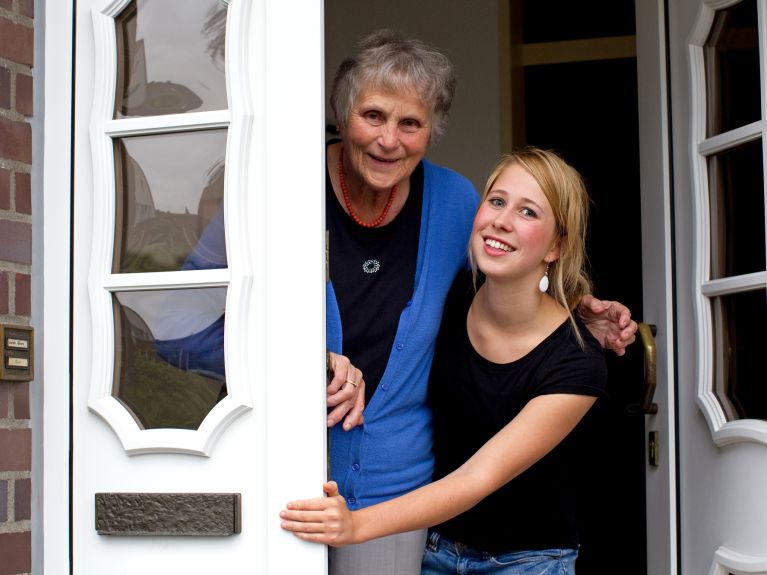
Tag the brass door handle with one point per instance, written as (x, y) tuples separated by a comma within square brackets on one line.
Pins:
[(647, 338)]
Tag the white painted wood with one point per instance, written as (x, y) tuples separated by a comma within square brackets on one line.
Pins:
[(295, 267), (657, 279), (166, 280), (170, 123), (269, 433), (722, 465), (737, 284), (730, 139), (102, 283), (716, 411), (55, 380), (727, 561)]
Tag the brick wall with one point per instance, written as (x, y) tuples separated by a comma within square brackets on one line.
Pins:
[(16, 61)]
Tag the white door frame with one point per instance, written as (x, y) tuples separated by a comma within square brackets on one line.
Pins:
[(293, 430), (57, 196), (657, 279)]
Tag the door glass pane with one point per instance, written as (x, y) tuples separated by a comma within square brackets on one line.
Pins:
[(739, 326), (736, 185), (170, 57), (169, 205), (169, 355), (732, 69)]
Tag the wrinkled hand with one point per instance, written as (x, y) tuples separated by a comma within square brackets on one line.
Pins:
[(345, 392), (322, 520), (609, 322)]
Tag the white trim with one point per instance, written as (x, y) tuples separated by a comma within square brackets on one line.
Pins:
[(727, 561), (292, 191), (166, 280), (237, 277), (168, 123), (55, 350), (735, 284), (657, 274), (136, 441), (723, 432), (732, 139)]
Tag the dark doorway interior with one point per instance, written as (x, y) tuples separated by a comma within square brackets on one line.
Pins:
[(588, 112)]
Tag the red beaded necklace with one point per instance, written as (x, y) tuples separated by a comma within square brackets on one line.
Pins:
[(347, 201)]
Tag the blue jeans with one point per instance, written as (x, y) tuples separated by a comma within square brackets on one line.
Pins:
[(444, 556)]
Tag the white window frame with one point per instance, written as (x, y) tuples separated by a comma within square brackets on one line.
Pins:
[(237, 277), (723, 431)]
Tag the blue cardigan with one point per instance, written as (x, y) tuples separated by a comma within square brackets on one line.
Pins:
[(391, 453)]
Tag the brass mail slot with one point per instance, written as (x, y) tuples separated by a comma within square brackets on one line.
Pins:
[(17, 352), (185, 514)]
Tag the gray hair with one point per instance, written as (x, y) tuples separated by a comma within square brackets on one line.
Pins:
[(388, 61)]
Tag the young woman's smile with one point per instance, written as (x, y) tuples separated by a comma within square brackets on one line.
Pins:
[(514, 229)]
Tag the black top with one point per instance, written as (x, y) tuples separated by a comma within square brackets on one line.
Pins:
[(373, 275), (473, 399)]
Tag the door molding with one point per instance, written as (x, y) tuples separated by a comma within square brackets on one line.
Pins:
[(57, 197), (728, 561), (658, 278)]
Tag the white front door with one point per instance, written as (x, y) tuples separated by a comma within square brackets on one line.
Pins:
[(197, 355), (718, 94)]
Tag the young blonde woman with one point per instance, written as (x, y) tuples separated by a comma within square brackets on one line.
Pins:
[(514, 372)]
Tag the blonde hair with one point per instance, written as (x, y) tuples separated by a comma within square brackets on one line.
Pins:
[(566, 193)]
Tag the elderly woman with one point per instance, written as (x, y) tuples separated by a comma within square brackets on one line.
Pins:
[(398, 228)]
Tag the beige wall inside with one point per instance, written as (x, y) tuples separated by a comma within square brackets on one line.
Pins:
[(468, 32)]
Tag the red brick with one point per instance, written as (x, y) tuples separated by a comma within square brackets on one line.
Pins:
[(4, 292), (21, 401), (24, 94), (27, 8), (15, 451), (15, 242), (16, 42), (23, 193), (5, 189), (16, 551), (23, 499), (5, 88), (23, 294), (5, 394), (15, 140)]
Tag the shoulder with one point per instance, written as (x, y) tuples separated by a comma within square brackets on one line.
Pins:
[(572, 368)]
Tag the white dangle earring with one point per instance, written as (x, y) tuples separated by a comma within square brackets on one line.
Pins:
[(543, 285)]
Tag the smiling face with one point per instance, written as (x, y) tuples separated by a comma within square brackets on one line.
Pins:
[(514, 233), (386, 136)]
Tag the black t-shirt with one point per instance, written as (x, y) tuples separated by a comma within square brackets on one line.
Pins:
[(373, 275), (473, 399)]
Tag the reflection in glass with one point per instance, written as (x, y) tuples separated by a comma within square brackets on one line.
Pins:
[(739, 329), (169, 205), (169, 360), (170, 57), (736, 186), (732, 69)]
